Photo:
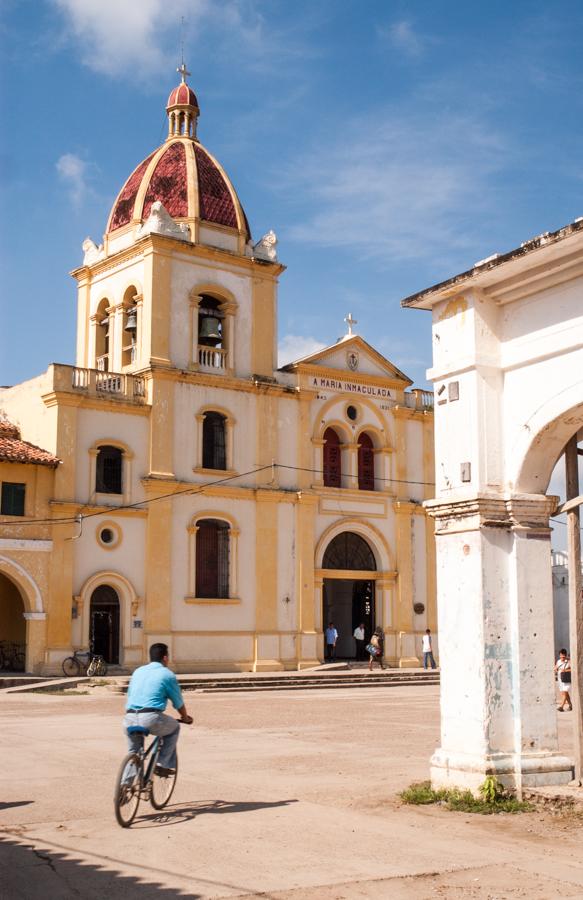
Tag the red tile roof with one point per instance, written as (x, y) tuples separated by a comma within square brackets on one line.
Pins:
[(182, 95), (13, 449)]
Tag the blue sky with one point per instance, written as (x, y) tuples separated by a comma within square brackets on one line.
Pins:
[(389, 145)]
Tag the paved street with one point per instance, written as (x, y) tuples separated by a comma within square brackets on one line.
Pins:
[(281, 795)]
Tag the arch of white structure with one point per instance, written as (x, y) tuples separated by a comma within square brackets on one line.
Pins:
[(508, 375)]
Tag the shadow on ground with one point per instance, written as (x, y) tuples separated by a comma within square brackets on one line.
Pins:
[(184, 812)]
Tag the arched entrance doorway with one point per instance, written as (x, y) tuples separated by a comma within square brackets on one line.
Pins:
[(12, 627), (348, 598), (104, 622)]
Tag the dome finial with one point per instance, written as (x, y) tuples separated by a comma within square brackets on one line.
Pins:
[(183, 72)]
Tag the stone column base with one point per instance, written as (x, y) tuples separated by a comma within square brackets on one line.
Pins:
[(451, 769)]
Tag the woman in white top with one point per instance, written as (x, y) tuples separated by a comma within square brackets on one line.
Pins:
[(562, 667)]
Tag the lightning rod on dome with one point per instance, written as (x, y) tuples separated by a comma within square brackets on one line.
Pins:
[(182, 70)]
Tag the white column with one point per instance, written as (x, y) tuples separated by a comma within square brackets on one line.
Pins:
[(496, 649)]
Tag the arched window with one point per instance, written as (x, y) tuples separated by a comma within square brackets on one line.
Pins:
[(212, 559), (332, 459), (365, 463), (214, 450), (108, 470), (349, 551)]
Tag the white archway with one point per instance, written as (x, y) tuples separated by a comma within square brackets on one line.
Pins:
[(129, 606)]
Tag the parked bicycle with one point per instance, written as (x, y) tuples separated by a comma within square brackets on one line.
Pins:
[(139, 779), (12, 656), (84, 662)]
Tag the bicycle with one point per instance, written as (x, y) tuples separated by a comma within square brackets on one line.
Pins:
[(12, 656), (137, 779), (91, 663)]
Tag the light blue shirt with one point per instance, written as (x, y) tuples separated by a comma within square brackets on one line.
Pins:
[(331, 635), (152, 686)]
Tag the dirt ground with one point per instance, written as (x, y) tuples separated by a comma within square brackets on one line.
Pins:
[(280, 795)]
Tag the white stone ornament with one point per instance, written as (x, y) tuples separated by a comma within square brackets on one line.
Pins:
[(266, 247), (161, 222), (91, 252)]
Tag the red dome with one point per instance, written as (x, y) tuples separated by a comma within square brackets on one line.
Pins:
[(183, 95), (187, 180)]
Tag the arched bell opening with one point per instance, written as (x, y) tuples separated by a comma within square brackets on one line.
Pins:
[(104, 623), (348, 598)]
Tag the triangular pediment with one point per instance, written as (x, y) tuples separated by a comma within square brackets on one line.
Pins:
[(351, 355)]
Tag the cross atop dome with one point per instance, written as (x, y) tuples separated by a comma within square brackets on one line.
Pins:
[(183, 71)]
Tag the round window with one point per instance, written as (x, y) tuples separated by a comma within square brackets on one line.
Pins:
[(419, 608), (352, 413), (108, 535)]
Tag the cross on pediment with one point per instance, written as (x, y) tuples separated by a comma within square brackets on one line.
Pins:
[(350, 322)]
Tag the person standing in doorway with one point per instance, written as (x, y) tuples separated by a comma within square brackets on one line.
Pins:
[(358, 636), (563, 670), (331, 638), (376, 648), (428, 650)]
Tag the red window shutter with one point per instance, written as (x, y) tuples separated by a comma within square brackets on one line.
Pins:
[(212, 559), (365, 463), (332, 459)]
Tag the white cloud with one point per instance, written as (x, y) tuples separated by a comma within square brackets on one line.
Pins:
[(72, 171), (398, 186), (293, 347), (118, 36), (403, 37)]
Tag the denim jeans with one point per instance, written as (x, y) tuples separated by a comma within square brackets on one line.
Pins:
[(428, 658), (157, 723)]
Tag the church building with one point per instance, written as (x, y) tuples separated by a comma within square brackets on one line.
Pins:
[(174, 485)]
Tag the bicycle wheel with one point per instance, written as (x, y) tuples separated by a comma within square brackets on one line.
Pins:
[(101, 667), (126, 798), (162, 787), (71, 666)]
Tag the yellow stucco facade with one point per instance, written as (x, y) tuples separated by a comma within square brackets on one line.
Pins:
[(207, 498)]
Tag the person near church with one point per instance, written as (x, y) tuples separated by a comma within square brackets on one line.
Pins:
[(358, 636), (376, 649), (331, 639), (428, 656), (150, 688), (563, 670)]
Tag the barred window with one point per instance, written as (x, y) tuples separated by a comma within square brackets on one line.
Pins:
[(214, 453), (108, 472), (349, 551), (212, 559), (365, 463), (13, 494), (332, 459)]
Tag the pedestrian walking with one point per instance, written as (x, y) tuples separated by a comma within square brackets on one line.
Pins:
[(428, 650), (376, 648), (563, 670), (331, 639), (358, 636)]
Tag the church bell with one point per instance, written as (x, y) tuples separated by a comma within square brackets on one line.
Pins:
[(210, 331), (132, 322)]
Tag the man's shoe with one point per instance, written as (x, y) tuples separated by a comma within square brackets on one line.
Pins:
[(162, 772)]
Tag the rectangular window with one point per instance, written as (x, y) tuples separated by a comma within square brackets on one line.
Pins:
[(12, 503)]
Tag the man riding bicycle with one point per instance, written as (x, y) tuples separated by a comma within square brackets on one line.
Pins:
[(150, 688)]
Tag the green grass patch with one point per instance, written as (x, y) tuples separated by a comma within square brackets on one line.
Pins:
[(493, 798)]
